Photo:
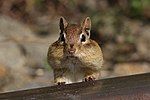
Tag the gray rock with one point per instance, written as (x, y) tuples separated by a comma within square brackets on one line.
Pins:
[(123, 69), (11, 29), (20, 50), (5, 76), (36, 53), (143, 43), (11, 56), (14, 60)]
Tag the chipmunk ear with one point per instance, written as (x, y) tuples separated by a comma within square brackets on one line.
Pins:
[(62, 23), (86, 24)]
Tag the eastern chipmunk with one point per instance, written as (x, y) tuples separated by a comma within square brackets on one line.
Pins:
[(74, 57)]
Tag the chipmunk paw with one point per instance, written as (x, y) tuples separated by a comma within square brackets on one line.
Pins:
[(61, 83), (89, 78)]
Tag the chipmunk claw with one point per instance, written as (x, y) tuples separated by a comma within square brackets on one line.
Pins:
[(90, 78), (61, 83)]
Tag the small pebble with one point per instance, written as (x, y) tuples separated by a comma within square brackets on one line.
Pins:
[(39, 72)]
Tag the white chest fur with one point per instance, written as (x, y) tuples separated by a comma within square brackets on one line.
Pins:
[(75, 72)]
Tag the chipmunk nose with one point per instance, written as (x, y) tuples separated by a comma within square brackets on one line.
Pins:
[(71, 45), (72, 50)]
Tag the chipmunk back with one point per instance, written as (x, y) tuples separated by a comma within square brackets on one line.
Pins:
[(74, 57)]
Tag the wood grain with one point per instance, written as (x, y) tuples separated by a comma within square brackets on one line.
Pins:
[(134, 87)]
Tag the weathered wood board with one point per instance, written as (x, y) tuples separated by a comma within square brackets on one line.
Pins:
[(134, 87)]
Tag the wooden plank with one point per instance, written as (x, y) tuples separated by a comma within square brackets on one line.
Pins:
[(134, 87)]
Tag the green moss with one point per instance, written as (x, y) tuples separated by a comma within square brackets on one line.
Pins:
[(136, 8), (47, 66)]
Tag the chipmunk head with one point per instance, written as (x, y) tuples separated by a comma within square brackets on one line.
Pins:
[(74, 36)]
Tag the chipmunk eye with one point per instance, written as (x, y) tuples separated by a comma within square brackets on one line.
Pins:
[(83, 38)]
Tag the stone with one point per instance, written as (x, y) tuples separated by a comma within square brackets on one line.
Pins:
[(15, 30), (143, 43), (39, 72), (14, 60), (124, 69), (5, 76)]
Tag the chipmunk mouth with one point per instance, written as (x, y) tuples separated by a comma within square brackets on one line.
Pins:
[(72, 51)]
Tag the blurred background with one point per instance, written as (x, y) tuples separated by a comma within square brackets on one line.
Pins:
[(28, 27)]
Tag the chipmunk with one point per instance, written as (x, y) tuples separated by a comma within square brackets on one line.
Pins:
[(74, 57)]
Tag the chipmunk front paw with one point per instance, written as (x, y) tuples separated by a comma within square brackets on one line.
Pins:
[(89, 78), (61, 83)]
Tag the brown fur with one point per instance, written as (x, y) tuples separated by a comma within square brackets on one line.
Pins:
[(85, 62)]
